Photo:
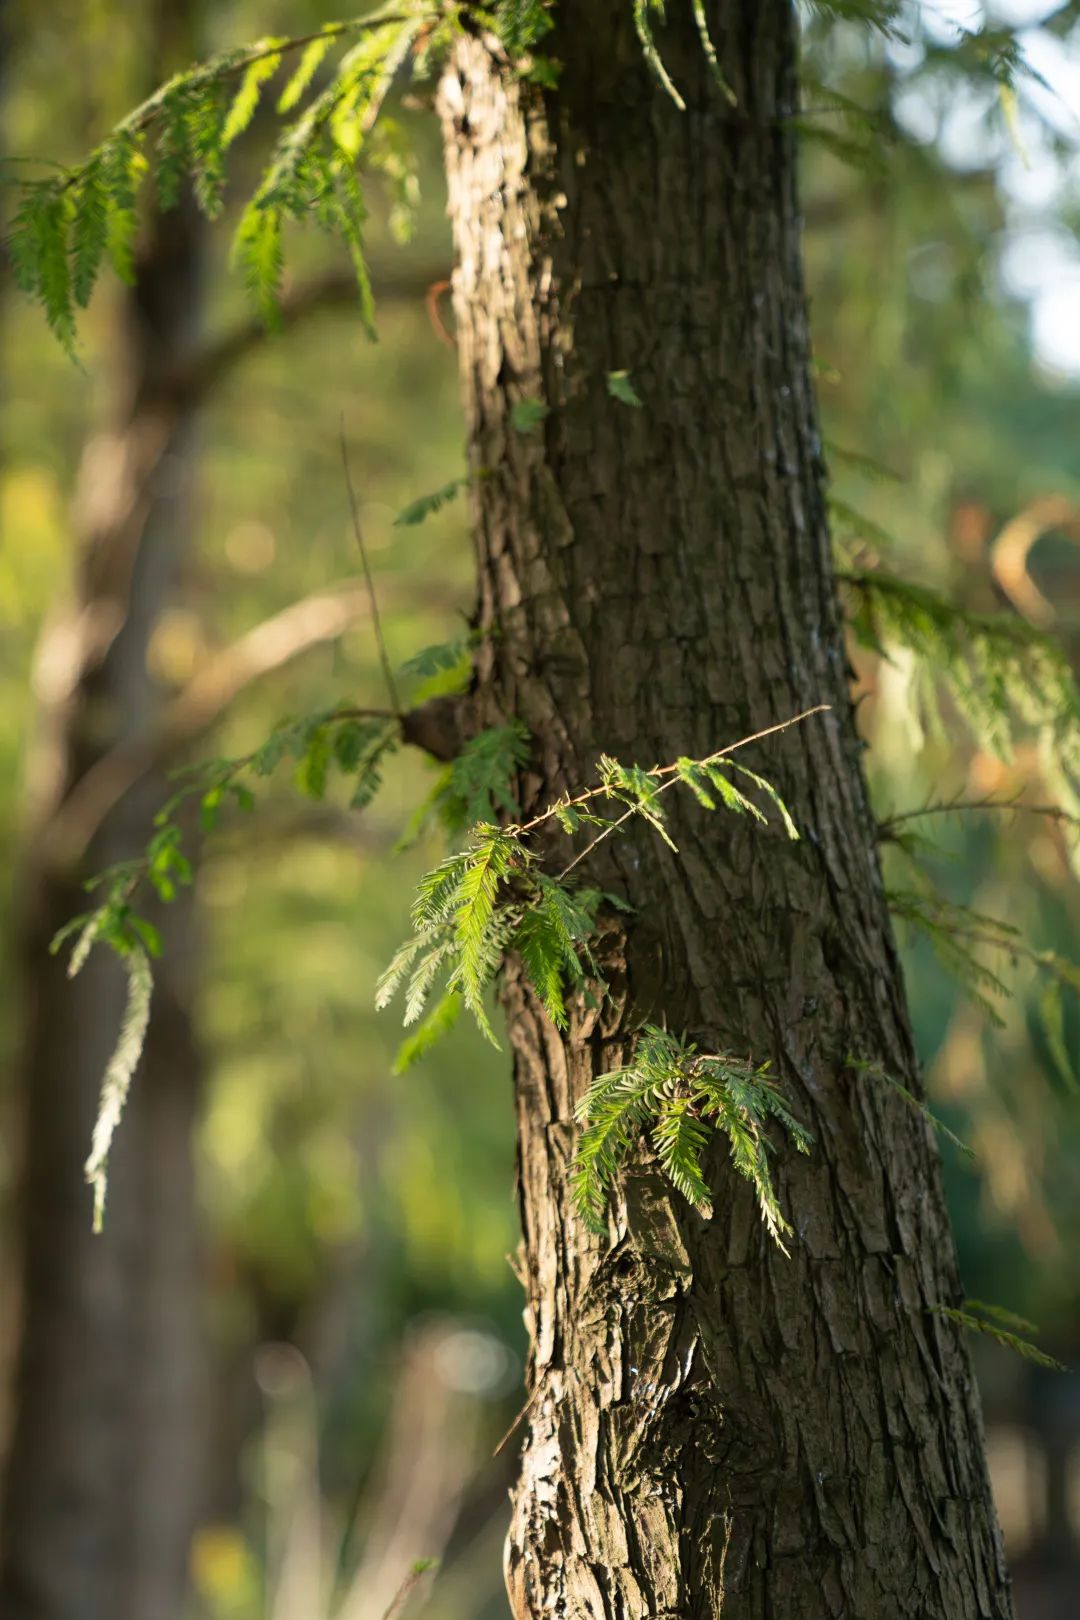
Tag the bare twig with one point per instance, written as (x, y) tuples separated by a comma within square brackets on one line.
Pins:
[(435, 727), (523, 1413), (434, 293), (945, 807), (408, 1587), (380, 640), (333, 289)]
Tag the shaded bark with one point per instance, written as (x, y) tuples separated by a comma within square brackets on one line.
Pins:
[(106, 1450), (714, 1427)]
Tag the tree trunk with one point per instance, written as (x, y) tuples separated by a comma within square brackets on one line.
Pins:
[(105, 1457), (713, 1427)]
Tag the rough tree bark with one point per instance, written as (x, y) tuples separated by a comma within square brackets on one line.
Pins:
[(105, 1458), (713, 1427)]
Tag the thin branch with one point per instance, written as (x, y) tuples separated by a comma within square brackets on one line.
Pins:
[(756, 736), (966, 928), (525, 1409), (599, 839), (380, 640), (434, 292), (669, 770), (268, 646), (436, 728), (407, 1588), (335, 289), (1054, 812), (602, 790)]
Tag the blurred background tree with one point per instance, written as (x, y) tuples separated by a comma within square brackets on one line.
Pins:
[(294, 1247)]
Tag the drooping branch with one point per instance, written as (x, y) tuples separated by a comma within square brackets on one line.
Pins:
[(887, 829), (333, 289), (434, 727)]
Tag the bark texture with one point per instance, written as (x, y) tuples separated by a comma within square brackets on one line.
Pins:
[(713, 1428), (105, 1457)]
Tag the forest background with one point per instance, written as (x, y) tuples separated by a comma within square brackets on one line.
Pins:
[(358, 1349)]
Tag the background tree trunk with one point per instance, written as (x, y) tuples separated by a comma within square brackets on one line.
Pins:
[(713, 1427), (106, 1450)]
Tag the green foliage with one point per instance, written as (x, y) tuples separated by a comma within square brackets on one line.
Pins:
[(89, 232), (439, 1021), (552, 941), (357, 744), (38, 246), (258, 253), (462, 925), (708, 780), (682, 1096), (423, 508), (311, 59), (262, 67), (521, 24), (879, 14), (526, 415), (875, 1071), (64, 225), (492, 896), (476, 784), (123, 166), (621, 388), (133, 940), (960, 938), (1001, 675), (956, 933), (439, 658), (977, 1318)]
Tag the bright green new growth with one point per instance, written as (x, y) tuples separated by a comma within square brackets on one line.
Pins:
[(682, 1096), (469, 911), (490, 898), (68, 224), (477, 783)]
